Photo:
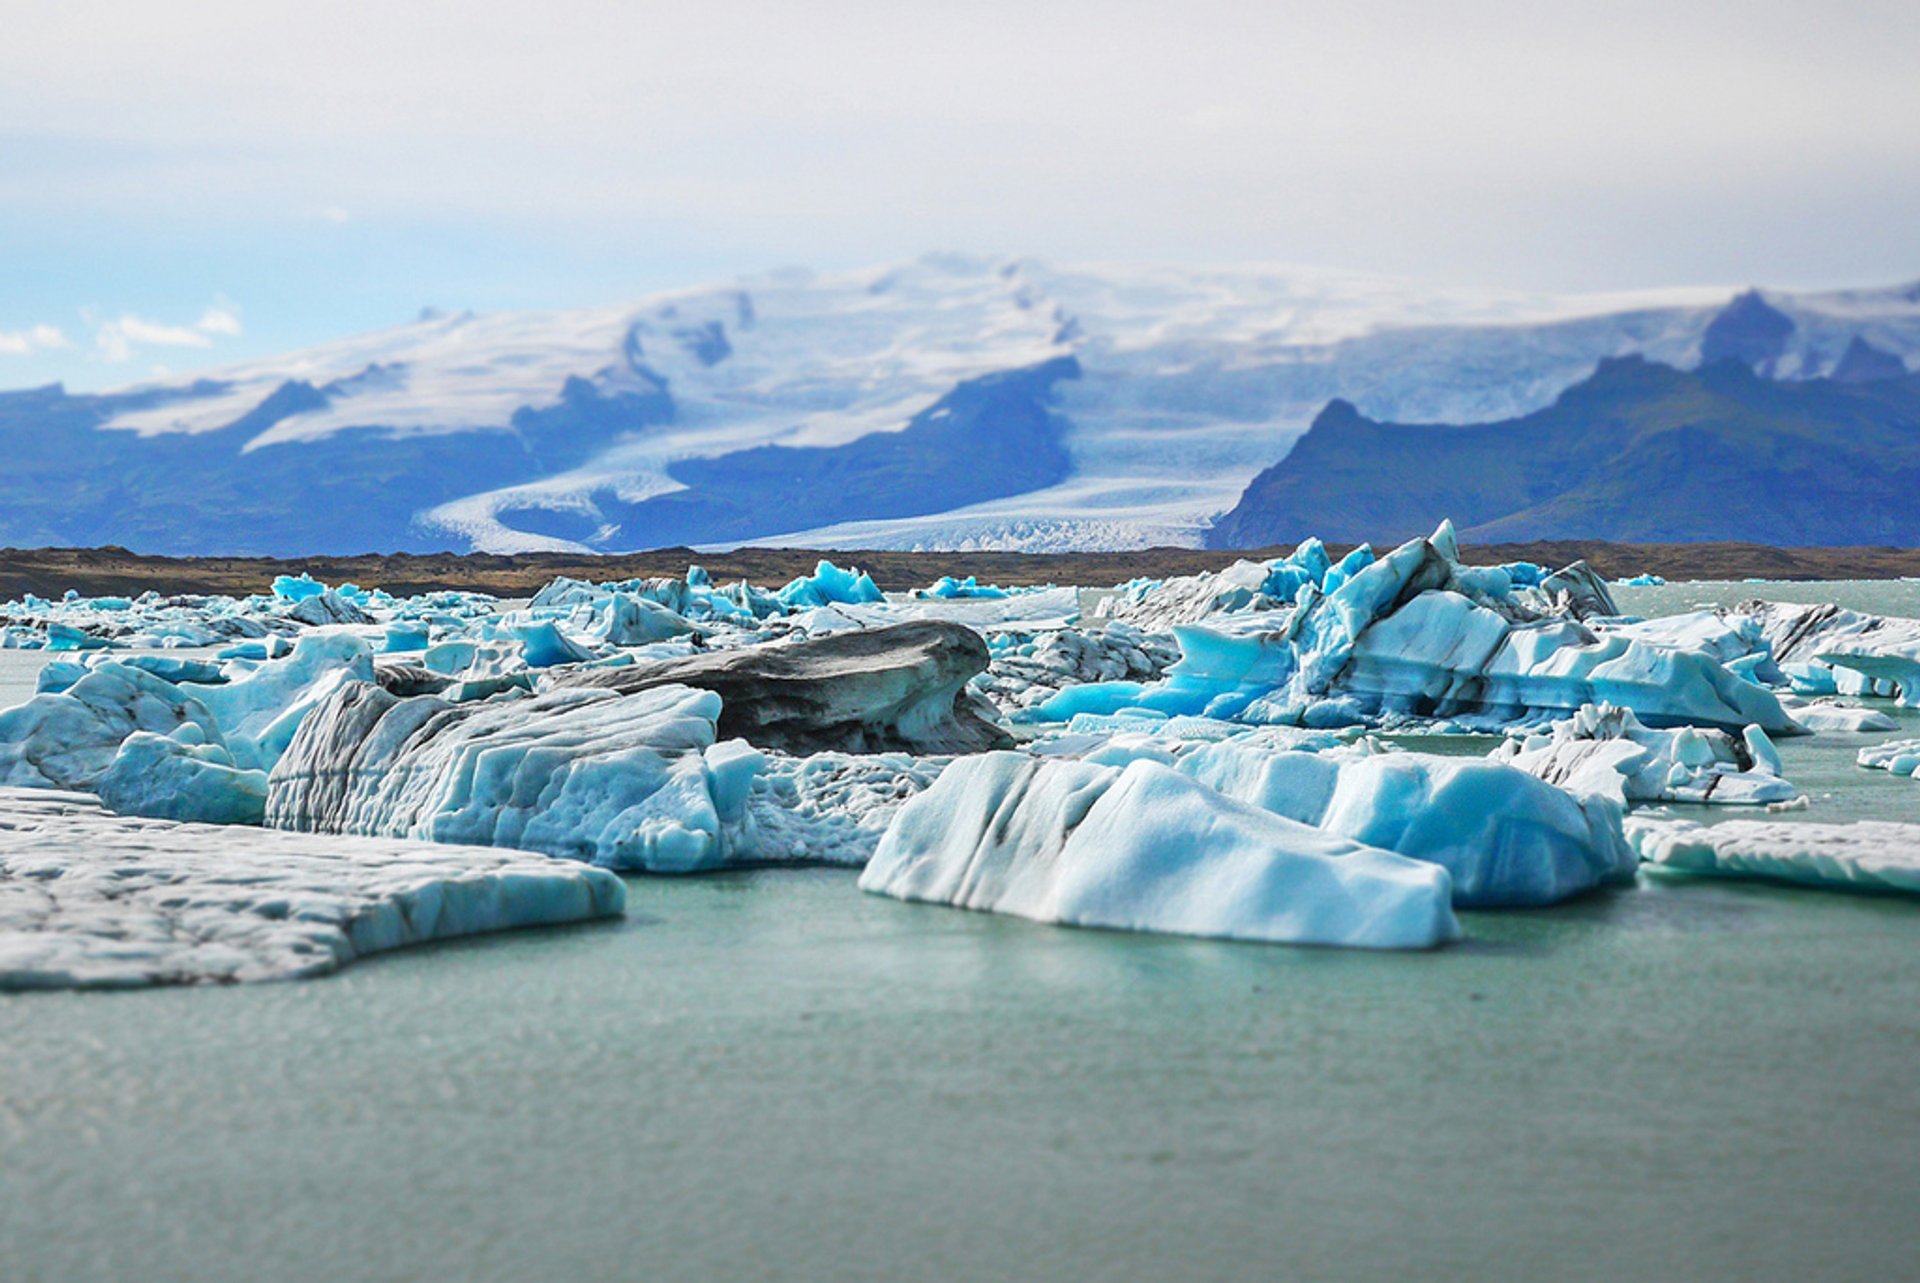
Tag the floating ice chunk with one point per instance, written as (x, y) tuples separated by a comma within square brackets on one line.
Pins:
[(832, 808), (259, 711), (1643, 580), (1028, 668), (1148, 849), (829, 585), (947, 588), (1869, 855), (899, 688), (543, 645), (1507, 838), (67, 740), (627, 782), (1409, 635), (1825, 715), (92, 899), (1603, 750), (635, 621), (173, 777), (67, 637), (297, 587), (1825, 649), (328, 607), (1901, 757)]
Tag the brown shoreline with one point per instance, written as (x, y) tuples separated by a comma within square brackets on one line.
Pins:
[(94, 571)]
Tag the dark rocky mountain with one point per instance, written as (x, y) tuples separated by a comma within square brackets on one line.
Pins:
[(1639, 452), (1749, 330), (1862, 362)]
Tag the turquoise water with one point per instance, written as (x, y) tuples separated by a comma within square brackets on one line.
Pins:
[(769, 1075)]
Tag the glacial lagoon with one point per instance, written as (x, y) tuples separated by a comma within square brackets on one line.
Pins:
[(769, 1074)]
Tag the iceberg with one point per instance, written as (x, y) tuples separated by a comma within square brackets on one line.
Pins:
[(1604, 751), (1411, 635), (900, 688), (89, 899), (1146, 848), (635, 782), (830, 586), (1506, 838), (1867, 855), (1900, 757), (1822, 715), (67, 740), (1826, 649), (831, 808), (259, 711), (1028, 668), (176, 777), (947, 588)]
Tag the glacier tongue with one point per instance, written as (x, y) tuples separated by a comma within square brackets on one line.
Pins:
[(89, 899)]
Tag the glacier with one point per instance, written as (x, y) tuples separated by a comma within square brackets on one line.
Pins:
[(1193, 381)]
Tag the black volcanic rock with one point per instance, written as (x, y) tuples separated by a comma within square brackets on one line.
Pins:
[(1862, 362), (1637, 452), (864, 691), (1749, 330)]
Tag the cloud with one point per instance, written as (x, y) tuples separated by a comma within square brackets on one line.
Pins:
[(116, 340), (335, 214), (220, 319), (35, 338)]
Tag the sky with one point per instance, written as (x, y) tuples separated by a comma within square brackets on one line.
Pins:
[(187, 184)]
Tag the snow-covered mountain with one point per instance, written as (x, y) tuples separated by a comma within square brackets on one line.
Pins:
[(948, 402)]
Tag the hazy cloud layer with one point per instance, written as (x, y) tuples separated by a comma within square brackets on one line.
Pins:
[(1566, 145)]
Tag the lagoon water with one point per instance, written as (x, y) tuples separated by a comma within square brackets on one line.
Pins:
[(769, 1075)]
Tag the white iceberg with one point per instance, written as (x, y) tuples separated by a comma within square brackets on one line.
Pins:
[(1868, 855), (1506, 838), (1604, 751), (1145, 848), (97, 900), (1900, 757)]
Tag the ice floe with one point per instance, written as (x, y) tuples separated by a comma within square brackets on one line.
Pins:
[(89, 899), (1868, 855)]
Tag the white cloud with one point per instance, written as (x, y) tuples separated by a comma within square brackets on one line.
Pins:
[(35, 338), (116, 340), (220, 319), (335, 214)]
